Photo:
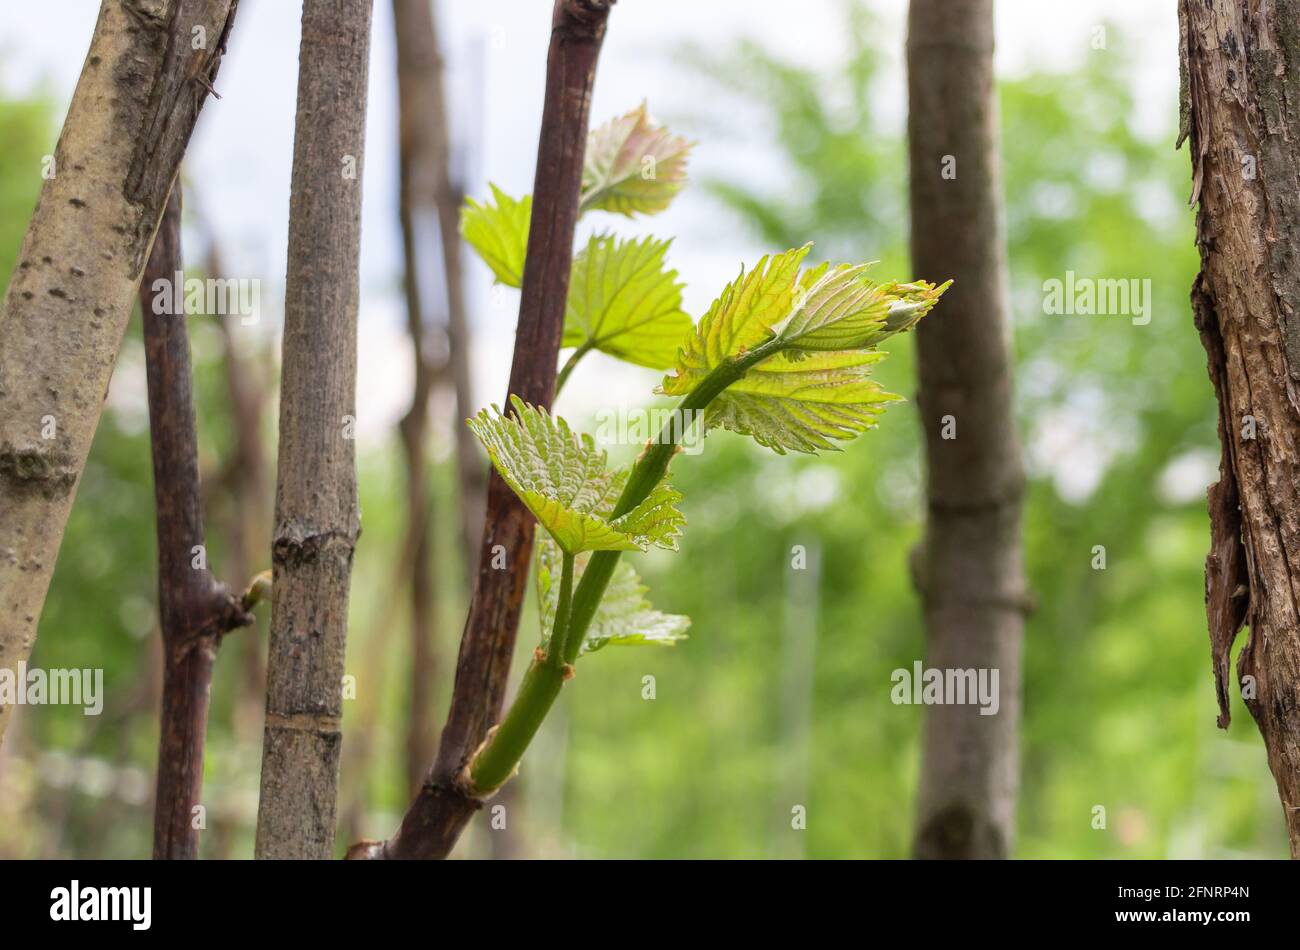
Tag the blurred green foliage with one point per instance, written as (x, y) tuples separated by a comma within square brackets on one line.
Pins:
[(781, 698), (1118, 423)]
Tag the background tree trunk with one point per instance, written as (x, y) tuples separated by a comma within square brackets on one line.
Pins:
[(1241, 85), (73, 289), (246, 498), (970, 569), (194, 609), (316, 517), (419, 101), (441, 810), (431, 146)]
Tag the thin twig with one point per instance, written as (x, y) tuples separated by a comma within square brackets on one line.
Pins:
[(195, 609)]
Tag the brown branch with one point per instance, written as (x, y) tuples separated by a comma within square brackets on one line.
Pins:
[(74, 287), (435, 819), (194, 609), (241, 488), (316, 516)]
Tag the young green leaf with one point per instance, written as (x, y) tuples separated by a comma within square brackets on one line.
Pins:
[(561, 477), (632, 166), (624, 617), (835, 308), (499, 233), (743, 315), (913, 302), (823, 322), (655, 520), (625, 302), (802, 404)]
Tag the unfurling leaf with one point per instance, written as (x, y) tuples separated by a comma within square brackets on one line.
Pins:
[(625, 302), (632, 166), (624, 616), (824, 322), (838, 308), (499, 233), (561, 477), (835, 309), (655, 521)]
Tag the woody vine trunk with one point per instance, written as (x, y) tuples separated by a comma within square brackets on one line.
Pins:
[(1241, 112), (144, 81), (440, 811), (316, 516), (194, 609)]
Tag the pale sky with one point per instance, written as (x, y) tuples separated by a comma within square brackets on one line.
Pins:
[(241, 154)]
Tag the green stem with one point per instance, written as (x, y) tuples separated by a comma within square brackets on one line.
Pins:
[(494, 763), (496, 759), (561, 626), (647, 472), (569, 364), (493, 766)]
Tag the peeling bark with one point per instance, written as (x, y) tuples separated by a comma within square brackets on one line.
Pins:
[(316, 517), (1241, 64), (73, 289), (970, 570), (439, 813)]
